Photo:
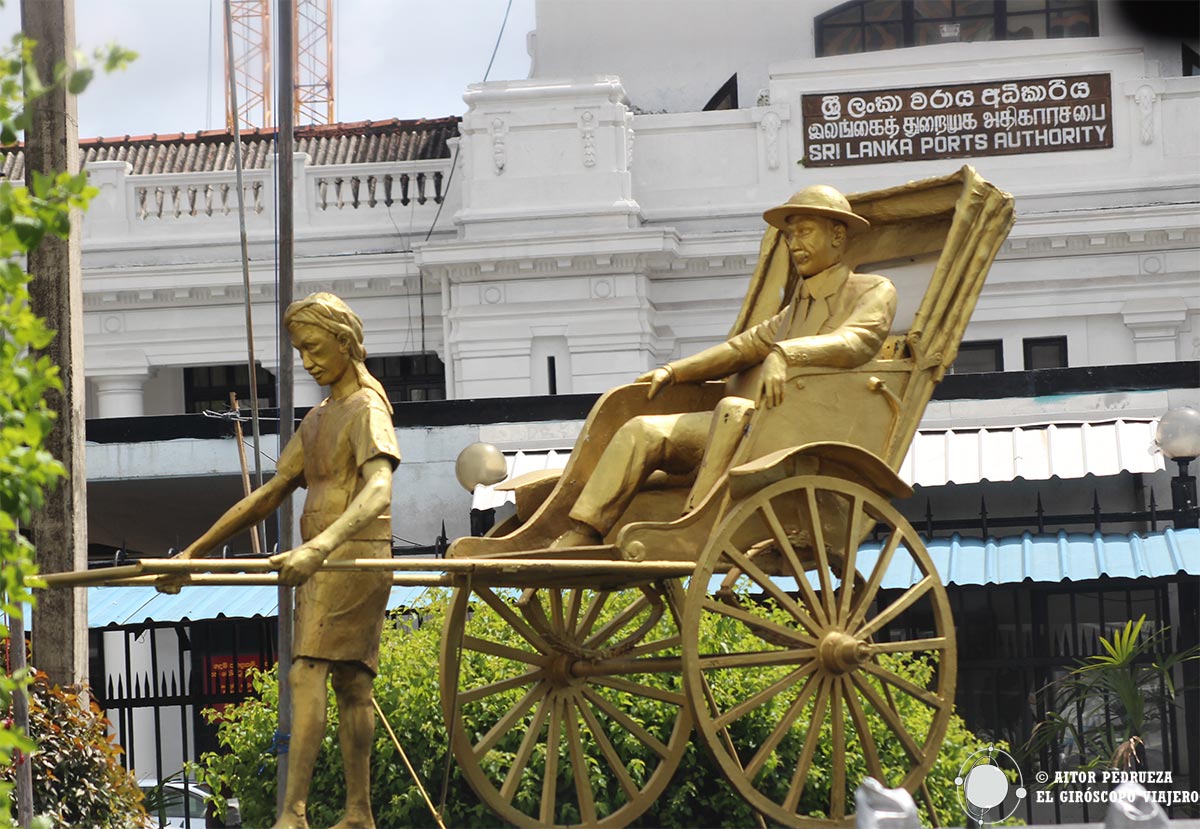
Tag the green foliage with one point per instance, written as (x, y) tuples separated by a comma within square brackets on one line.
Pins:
[(1108, 700), (26, 468), (78, 779), (407, 689)]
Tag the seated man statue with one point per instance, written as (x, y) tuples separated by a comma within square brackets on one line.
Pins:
[(835, 318)]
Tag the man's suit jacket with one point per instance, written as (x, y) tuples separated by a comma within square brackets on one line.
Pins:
[(838, 319)]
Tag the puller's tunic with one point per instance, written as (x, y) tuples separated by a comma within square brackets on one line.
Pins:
[(339, 616)]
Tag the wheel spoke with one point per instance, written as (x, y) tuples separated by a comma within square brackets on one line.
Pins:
[(866, 739), (513, 779), (765, 695), (800, 776), (837, 786), (789, 552), (617, 622), (772, 589), (908, 598), (513, 618), (848, 568), (476, 694), (656, 646), (863, 603), (557, 620), (818, 537), (938, 643), (607, 749), (637, 689), (573, 603), (626, 722), (750, 620), (794, 711), (550, 781), (474, 643), (579, 769), (509, 720), (595, 606), (890, 717), (913, 690), (758, 659)]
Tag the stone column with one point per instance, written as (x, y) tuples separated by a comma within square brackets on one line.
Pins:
[(120, 395), (60, 632)]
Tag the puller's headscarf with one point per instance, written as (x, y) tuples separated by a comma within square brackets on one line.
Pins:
[(331, 313)]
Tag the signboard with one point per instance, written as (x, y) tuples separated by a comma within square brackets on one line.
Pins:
[(956, 120)]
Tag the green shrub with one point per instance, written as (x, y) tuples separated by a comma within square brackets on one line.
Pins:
[(407, 688), (78, 779)]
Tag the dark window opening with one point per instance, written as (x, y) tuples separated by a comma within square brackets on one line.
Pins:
[(979, 357), (726, 97), (1191, 61), (207, 388), (552, 375), (877, 25), (1045, 352), (410, 377)]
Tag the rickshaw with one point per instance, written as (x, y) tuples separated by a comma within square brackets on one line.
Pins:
[(581, 709)]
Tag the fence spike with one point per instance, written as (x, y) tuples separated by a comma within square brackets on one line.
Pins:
[(1153, 513), (1041, 515), (983, 514)]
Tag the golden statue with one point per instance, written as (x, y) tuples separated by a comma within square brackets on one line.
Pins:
[(834, 318), (344, 454)]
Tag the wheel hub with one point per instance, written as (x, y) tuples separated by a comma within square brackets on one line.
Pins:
[(841, 653)]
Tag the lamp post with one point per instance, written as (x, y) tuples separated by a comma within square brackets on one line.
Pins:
[(1178, 437)]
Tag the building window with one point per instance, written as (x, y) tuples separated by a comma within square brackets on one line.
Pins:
[(978, 357), (1045, 352), (207, 388), (876, 25), (408, 377)]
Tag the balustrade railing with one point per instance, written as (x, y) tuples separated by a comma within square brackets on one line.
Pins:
[(177, 202)]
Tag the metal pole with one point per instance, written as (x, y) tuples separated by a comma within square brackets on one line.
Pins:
[(259, 532), (284, 172)]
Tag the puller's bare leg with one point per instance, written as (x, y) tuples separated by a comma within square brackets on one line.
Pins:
[(356, 732), (308, 729)]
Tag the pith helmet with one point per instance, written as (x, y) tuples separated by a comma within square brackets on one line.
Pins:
[(818, 200)]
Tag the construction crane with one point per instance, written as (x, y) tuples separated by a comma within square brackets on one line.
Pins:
[(250, 24)]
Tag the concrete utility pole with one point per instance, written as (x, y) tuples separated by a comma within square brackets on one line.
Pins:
[(60, 646)]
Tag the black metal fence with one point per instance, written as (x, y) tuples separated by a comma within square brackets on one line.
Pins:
[(155, 680)]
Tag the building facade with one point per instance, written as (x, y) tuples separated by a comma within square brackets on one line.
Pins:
[(602, 216)]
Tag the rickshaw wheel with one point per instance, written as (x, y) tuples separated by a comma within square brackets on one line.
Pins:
[(818, 690), (556, 716)]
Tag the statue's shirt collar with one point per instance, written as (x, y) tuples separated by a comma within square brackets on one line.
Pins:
[(826, 283)]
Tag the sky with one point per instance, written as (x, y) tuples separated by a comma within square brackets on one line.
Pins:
[(392, 59)]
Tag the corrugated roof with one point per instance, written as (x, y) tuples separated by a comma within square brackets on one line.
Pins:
[(961, 561), (941, 456), (360, 142)]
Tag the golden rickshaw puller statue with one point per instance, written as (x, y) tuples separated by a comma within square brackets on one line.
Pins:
[(344, 454)]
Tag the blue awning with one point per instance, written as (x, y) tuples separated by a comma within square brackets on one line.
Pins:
[(1049, 558), (135, 605), (961, 561)]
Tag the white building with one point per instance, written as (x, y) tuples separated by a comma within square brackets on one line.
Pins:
[(596, 219)]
